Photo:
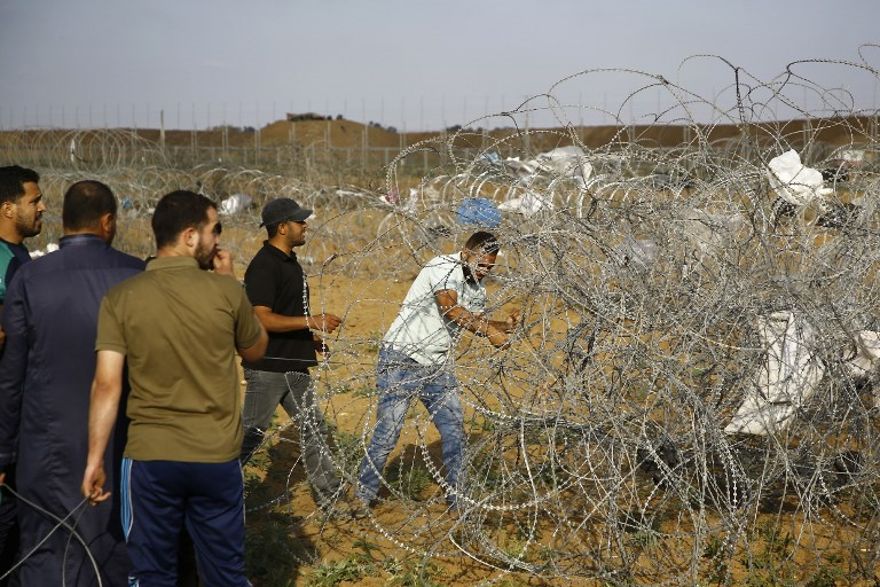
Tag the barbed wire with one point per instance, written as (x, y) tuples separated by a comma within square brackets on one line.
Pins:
[(682, 391), (692, 394)]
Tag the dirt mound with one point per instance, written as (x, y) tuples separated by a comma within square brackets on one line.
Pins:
[(337, 133)]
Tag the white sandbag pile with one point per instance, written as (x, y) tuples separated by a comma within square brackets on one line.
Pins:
[(529, 204), (791, 372), (562, 162), (565, 162), (554, 165), (795, 183), (235, 204), (788, 377)]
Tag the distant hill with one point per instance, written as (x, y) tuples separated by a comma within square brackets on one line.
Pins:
[(349, 134)]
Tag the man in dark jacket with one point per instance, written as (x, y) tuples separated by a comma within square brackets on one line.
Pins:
[(50, 319)]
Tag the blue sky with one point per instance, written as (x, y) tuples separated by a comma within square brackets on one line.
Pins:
[(409, 63)]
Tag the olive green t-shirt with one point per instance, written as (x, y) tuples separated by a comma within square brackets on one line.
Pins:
[(178, 327)]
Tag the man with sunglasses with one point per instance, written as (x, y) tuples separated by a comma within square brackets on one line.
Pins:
[(277, 288), (417, 355)]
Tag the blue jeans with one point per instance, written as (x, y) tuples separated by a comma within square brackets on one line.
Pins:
[(400, 379)]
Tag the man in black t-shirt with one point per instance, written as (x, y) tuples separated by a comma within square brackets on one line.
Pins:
[(277, 288)]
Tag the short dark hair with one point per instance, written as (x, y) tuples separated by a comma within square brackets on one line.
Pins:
[(272, 229), (12, 180), (483, 242), (84, 204), (178, 211)]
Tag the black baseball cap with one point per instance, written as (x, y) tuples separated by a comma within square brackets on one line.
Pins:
[(281, 209)]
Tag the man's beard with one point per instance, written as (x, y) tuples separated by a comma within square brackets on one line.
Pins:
[(28, 230), (205, 257)]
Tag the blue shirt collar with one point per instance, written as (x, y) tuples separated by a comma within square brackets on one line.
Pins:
[(81, 239)]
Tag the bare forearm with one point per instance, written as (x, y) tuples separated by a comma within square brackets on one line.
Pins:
[(280, 323), (447, 303), (102, 416), (468, 320), (274, 322), (256, 351)]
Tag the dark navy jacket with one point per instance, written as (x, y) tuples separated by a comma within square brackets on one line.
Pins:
[(50, 317)]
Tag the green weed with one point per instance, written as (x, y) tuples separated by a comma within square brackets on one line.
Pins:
[(333, 573), (364, 391), (714, 547), (825, 577), (409, 478), (770, 563), (349, 450), (714, 551), (408, 574)]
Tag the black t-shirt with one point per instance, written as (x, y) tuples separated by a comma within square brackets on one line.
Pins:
[(276, 280)]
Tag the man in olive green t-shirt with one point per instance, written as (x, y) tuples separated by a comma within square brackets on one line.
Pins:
[(178, 326)]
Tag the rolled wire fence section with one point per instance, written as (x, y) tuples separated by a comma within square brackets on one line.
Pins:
[(691, 394)]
